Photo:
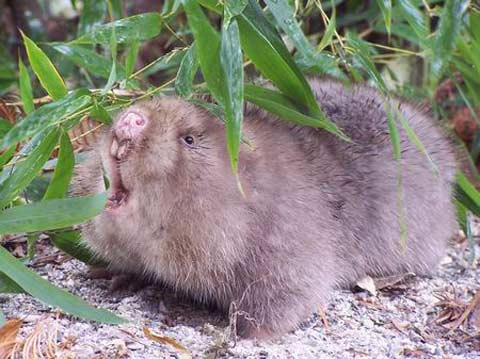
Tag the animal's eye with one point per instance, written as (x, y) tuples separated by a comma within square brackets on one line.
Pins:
[(189, 140)]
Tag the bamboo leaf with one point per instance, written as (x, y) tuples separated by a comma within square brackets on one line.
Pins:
[(131, 58), (232, 9), (63, 170), (21, 174), (207, 42), (262, 44), (25, 88), (134, 28), (88, 59), (362, 55), (467, 194), (113, 71), (51, 214), (9, 286), (47, 74), (329, 31), (71, 243), (48, 115), (231, 60), (415, 18), (386, 9), (446, 36), (40, 288), (93, 14), (280, 105), (186, 72)]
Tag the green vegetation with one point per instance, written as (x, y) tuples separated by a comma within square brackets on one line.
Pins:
[(405, 47)]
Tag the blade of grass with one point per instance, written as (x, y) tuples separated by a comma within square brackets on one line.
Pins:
[(386, 9), (71, 243), (93, 14), (131, 58)]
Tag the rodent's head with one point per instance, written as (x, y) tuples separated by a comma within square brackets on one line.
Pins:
[(167, 144)]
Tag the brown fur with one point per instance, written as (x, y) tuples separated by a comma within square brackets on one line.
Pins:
[(319, 212)]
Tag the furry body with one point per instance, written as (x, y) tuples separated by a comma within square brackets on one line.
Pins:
[(319, 212)]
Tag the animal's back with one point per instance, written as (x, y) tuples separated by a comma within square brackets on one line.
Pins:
[(371, 205)]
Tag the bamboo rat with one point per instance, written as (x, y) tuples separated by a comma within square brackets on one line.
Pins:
[(318, 212)]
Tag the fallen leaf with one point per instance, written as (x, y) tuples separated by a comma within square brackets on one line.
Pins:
[(184, 353), (474, 303), (8, 336), (392, 281), (368, 284)]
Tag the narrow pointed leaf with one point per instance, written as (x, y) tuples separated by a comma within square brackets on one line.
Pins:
[(446, 36), (415, 18), (231, 60), (88, 59), (186, 72), (9, 286), (329, 31), (113, 71), (386, 9), (131, 58), (280, 105), (467, 194), (262, 44), (40, 288), (71, 243), (134, 28), (25, 171), (51, 214), (233, 8), (47, 74), (93, 14), (207, 42), (63, 170), (25, 88), (47, 116)]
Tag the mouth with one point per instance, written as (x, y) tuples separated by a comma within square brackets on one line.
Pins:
[(119, 194)]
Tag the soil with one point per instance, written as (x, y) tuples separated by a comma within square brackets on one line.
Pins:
[(399, 317)]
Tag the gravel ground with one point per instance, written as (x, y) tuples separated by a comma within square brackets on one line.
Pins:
[(407, 319)]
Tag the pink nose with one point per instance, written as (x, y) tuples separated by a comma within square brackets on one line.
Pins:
[(130, 125)]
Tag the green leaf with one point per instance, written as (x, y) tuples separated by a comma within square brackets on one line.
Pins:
[(134, 28), (48, 115), (386, 9), (329, 31), (47, 74), (397, 153), (71, 243), (186, 72), (7, 155), (25, 88), (131, 58), (231, 60), (9, 286), (99, 113), (467, 194), (446, 36), (63, 170), (362, 55), (113, 71), (51, 214), (41, 289), (88, 59), (93, 14), (415, 18), (232, 9), (25, 171), (262, 44), (207, 42), (280, 105), (5, 126)]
